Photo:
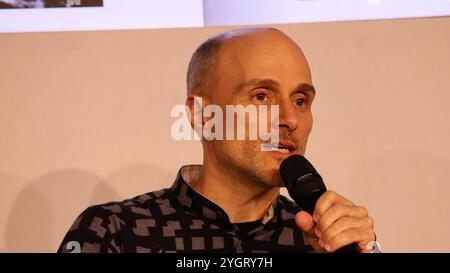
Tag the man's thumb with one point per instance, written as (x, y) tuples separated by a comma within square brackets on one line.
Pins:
[(305, 222)]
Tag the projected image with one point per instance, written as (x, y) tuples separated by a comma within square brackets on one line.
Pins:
[(19, 4), (140, 14)]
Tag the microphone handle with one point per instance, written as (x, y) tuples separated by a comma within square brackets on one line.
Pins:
[(351, 248)]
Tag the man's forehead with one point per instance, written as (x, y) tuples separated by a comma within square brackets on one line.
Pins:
[(261, 53), (249, 47), (255, 37)]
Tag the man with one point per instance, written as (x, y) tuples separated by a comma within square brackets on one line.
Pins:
[(232, 203)]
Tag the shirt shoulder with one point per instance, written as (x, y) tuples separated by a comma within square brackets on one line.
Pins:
[(106, 227)]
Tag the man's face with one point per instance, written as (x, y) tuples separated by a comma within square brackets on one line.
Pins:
[(263, 68)]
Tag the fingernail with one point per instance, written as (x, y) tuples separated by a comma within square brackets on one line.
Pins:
[(321, 243), (327, 247), (315, 218), (318, 233)]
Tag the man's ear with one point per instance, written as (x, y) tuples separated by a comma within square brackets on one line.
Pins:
[(190, 109), (195, 105)]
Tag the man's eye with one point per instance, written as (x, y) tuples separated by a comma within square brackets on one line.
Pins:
[(261, 96), (300, 102)]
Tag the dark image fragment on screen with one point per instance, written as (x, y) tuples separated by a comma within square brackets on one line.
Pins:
[(21, 4)]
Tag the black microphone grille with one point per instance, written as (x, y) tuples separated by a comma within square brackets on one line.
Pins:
[(293, 167)]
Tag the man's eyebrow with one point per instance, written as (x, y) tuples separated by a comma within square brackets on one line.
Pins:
[(305, 87), (301, 88), (258, 82)]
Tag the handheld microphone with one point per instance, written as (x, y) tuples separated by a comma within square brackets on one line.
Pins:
[(305, 186)]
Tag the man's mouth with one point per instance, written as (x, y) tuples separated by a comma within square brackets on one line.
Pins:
[(282, 147)]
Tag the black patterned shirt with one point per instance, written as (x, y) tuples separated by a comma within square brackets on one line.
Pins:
[(179, 219)]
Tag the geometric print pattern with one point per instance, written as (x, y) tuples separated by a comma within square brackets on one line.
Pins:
[(179, 219)]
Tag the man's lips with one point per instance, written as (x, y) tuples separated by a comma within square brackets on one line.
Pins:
[(287, 145), (283, 146)]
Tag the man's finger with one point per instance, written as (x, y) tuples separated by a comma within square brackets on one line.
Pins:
[(328, 199), (347, 237), (344, 224), (337, 211)]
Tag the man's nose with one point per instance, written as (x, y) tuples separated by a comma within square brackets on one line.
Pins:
[(288, 117)]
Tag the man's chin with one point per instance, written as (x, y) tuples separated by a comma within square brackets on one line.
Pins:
[(272, 175)]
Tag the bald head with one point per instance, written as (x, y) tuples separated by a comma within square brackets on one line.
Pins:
[(209, 58)]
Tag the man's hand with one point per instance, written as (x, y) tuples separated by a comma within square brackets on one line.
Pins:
[(339, 223)]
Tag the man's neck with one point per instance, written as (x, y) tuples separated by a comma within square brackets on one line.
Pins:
[(243, 200)]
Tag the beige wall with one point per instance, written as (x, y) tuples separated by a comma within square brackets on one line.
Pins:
[(85, 119)]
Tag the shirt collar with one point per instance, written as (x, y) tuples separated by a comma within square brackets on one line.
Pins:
[(200, 205)]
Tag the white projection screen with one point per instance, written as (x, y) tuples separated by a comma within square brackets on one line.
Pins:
[(66, 15)]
